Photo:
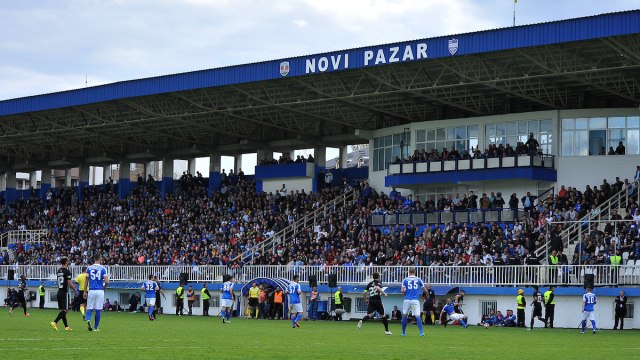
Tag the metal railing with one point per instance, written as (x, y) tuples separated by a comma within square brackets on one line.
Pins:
[(508, 275), (283, 236), (434, 166), (23, 237), (602, 213)]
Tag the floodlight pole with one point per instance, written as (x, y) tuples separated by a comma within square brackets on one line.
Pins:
[(514, 12)]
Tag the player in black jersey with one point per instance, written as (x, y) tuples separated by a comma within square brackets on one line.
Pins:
[(537, 307), (20, 299), (374, 302), (63, 280)]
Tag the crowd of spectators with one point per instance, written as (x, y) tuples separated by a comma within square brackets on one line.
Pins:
[(530, 147), (186, 228), (191, 228), (284, 159)]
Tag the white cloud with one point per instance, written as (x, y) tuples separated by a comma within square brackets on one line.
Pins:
[(53, 44), (300, 23)]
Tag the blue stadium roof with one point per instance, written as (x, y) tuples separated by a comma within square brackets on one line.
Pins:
[(557, 32)]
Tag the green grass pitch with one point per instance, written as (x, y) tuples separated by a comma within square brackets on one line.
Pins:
[(133, 336)]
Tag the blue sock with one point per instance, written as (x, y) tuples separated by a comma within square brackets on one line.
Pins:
[(150, 310), (228, 314), (463, 323), (298, 317), (88, 314), (419, 321), (293, 320), (223, 313), (593, 322), (97, 318), (584, 324), (404, 324)]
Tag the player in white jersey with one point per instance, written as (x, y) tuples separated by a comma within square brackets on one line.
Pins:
[(588, 309), (98, 282)]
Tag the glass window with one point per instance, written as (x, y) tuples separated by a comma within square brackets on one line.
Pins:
[(376, 143), (633, 142), (616, 123), (396, 139), (522, 128), (461, 132), (451, 133), (440, 134), (431, 135), (545, 125), (567, 143), (597, 142), (582, 124), (599, 123), (581, 143), (512, 128), (473, 131), (567, 124), (616, 136), (534, 126), (388, 140), (420, 136), (633, 122), (491, 130)]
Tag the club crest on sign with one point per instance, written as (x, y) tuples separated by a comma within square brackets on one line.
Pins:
[(453, 46), (284, 68)]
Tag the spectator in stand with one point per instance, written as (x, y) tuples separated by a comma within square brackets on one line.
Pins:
[(532, 145), (620, 150), (396, 314)]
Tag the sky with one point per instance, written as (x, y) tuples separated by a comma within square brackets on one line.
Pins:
[(54, 45)]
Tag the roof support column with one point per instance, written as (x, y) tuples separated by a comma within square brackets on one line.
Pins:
[(124, 180), (83, 181), (264, 155), (167, 177), (10, 191), (320, 159), (45, 183), (342, 157), (33, 179), (67, 177), (191, 166), (237, 163), (214, 173)]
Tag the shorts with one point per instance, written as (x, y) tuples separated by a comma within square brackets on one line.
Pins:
[(537, 311), (295, 308), (253, 302), (151, 301), (63, 304), (411, 305), (375, 306), (456, 317), (588, 315), (95, 300), (227, 303)]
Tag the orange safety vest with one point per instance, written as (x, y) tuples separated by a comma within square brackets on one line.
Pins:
[(277, 297), (191, 295), (262, 297), (314, 295)]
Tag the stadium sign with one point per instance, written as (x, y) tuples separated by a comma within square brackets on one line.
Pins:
[(366, 57)]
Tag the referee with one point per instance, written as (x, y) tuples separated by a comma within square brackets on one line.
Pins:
[(64, 283)]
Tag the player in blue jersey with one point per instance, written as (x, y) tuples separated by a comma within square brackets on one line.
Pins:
[(150, 287), (295, 305), (588, 311), (450, 310), (98, 282), (412, 288), (226, 298)]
